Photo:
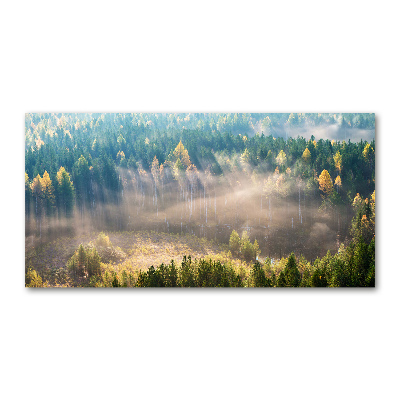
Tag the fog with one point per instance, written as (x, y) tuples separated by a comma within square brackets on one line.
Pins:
[(324, 131), (277, 210)]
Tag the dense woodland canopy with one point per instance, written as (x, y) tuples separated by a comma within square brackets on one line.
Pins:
[(202, 172)]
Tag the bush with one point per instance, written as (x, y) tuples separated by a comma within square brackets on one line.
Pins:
[(32, 279), (103, 240)]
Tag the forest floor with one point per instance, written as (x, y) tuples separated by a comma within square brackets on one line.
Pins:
[(132, 250)]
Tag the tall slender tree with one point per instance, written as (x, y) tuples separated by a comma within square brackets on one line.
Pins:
[(65, 192)]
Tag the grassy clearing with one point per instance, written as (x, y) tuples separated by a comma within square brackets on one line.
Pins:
[(130, 251)]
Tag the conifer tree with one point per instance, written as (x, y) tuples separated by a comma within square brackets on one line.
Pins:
[(246, 248), (81, 174), (28, 194), (292, 273), (65, 191), (48, 193)]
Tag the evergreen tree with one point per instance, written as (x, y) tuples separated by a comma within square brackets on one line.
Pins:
[(246, 248), (291, 272), (28, 194), (65, 191), (234, 243), (281, 282), (81, 174), (48, 193)]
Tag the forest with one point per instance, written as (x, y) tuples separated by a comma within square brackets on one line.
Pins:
[(199, 200)]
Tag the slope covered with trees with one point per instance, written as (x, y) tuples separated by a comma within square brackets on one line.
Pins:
[(204, 174)]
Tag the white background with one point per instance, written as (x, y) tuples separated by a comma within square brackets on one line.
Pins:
[(156, 56)]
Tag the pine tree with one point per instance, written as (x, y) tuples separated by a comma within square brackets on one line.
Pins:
[(246, 249), (65, 191), (28, 194), (81, 265), (93, 263), (48, 193), (81, 174), (292, 273), (281, 282)]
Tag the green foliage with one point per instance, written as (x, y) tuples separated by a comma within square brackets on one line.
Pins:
[(258, 277), (246, 248), (84, 264), (93, 262), (85, 156), (187, 273), (92, 146), (319, 278), (103, 240), (234, 243), (292, 273), (33, 279), (351, 266), (65, 191), (363, 224), (203, 273), (81, 178), (281, 282)]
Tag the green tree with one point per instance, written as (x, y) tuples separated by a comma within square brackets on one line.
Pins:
[(318, 278), (246, 249), (48, 193), (256, 249), (65, 191), (281, 282), (93, 263), (292, 273), (37, 193), (186, 273), (234, 243), (28, 194), (81, 180), (257, 275)]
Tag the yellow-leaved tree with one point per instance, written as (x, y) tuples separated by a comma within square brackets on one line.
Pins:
[(281, 159), (337, 158), (368, 151), (338, 183), (306, 156), (181, 154), (325, 183)]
